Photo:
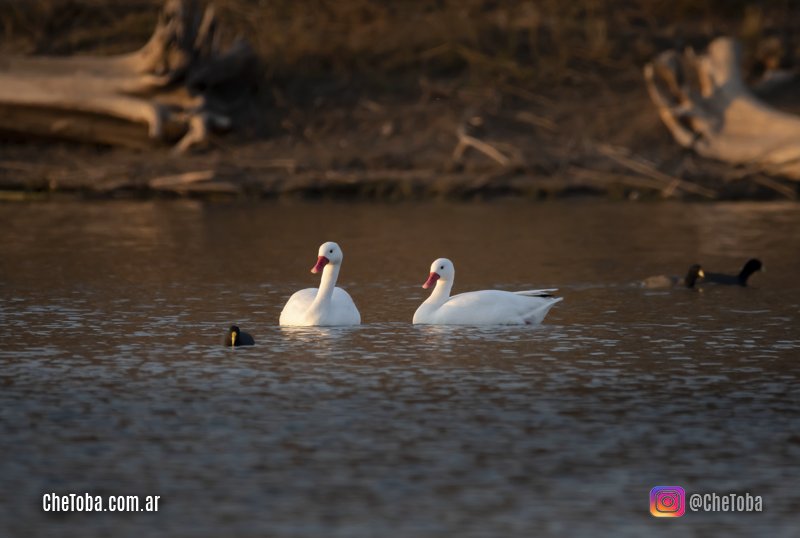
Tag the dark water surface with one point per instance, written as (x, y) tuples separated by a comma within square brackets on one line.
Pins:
[(113, 379)]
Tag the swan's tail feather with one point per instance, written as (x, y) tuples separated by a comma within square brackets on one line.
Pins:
[(537, 293), (538, 314)]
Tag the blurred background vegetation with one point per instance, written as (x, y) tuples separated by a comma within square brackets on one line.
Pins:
[(340, 75), (541, 44)]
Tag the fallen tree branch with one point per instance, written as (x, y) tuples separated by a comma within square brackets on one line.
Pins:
[(162, 93), (719, 117)]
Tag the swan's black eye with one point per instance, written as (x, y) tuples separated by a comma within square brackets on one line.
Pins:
[(331, 251), (441, 268)]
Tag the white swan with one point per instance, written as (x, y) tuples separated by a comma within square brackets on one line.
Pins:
[(488, 307), (327, 306)]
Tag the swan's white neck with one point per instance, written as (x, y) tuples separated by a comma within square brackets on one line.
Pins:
[(327, 284), (441, 292)]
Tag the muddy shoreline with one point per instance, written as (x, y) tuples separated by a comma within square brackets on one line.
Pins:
[(42, 172)]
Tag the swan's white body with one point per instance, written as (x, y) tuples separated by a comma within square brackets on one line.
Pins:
[(327, 305), (488, 307)]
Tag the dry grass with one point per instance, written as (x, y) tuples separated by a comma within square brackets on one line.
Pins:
[(544, 43), (540, 42)]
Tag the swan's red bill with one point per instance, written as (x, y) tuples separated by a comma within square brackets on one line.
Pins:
[(432, 278), (322, 261)]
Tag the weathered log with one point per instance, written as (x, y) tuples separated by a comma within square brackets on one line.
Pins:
[(162, 93), (706, 105)]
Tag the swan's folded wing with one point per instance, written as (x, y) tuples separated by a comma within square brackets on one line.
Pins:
[(341, 295), (297, 305), (345, 309), (492, 307)]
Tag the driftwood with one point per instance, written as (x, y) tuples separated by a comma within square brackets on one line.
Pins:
[(705, 103), (162, 93)]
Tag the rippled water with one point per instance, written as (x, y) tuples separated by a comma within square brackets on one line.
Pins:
[(113, 379)]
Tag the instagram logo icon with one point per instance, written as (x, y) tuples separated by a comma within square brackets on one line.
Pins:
[(667, 501)]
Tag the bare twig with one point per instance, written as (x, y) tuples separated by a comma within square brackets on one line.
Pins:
[(776, 186), (669, 182), (603, 178), (536, 120), (289, 165), (201, 181), (466, 141), (527, 95), (180, 180)]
